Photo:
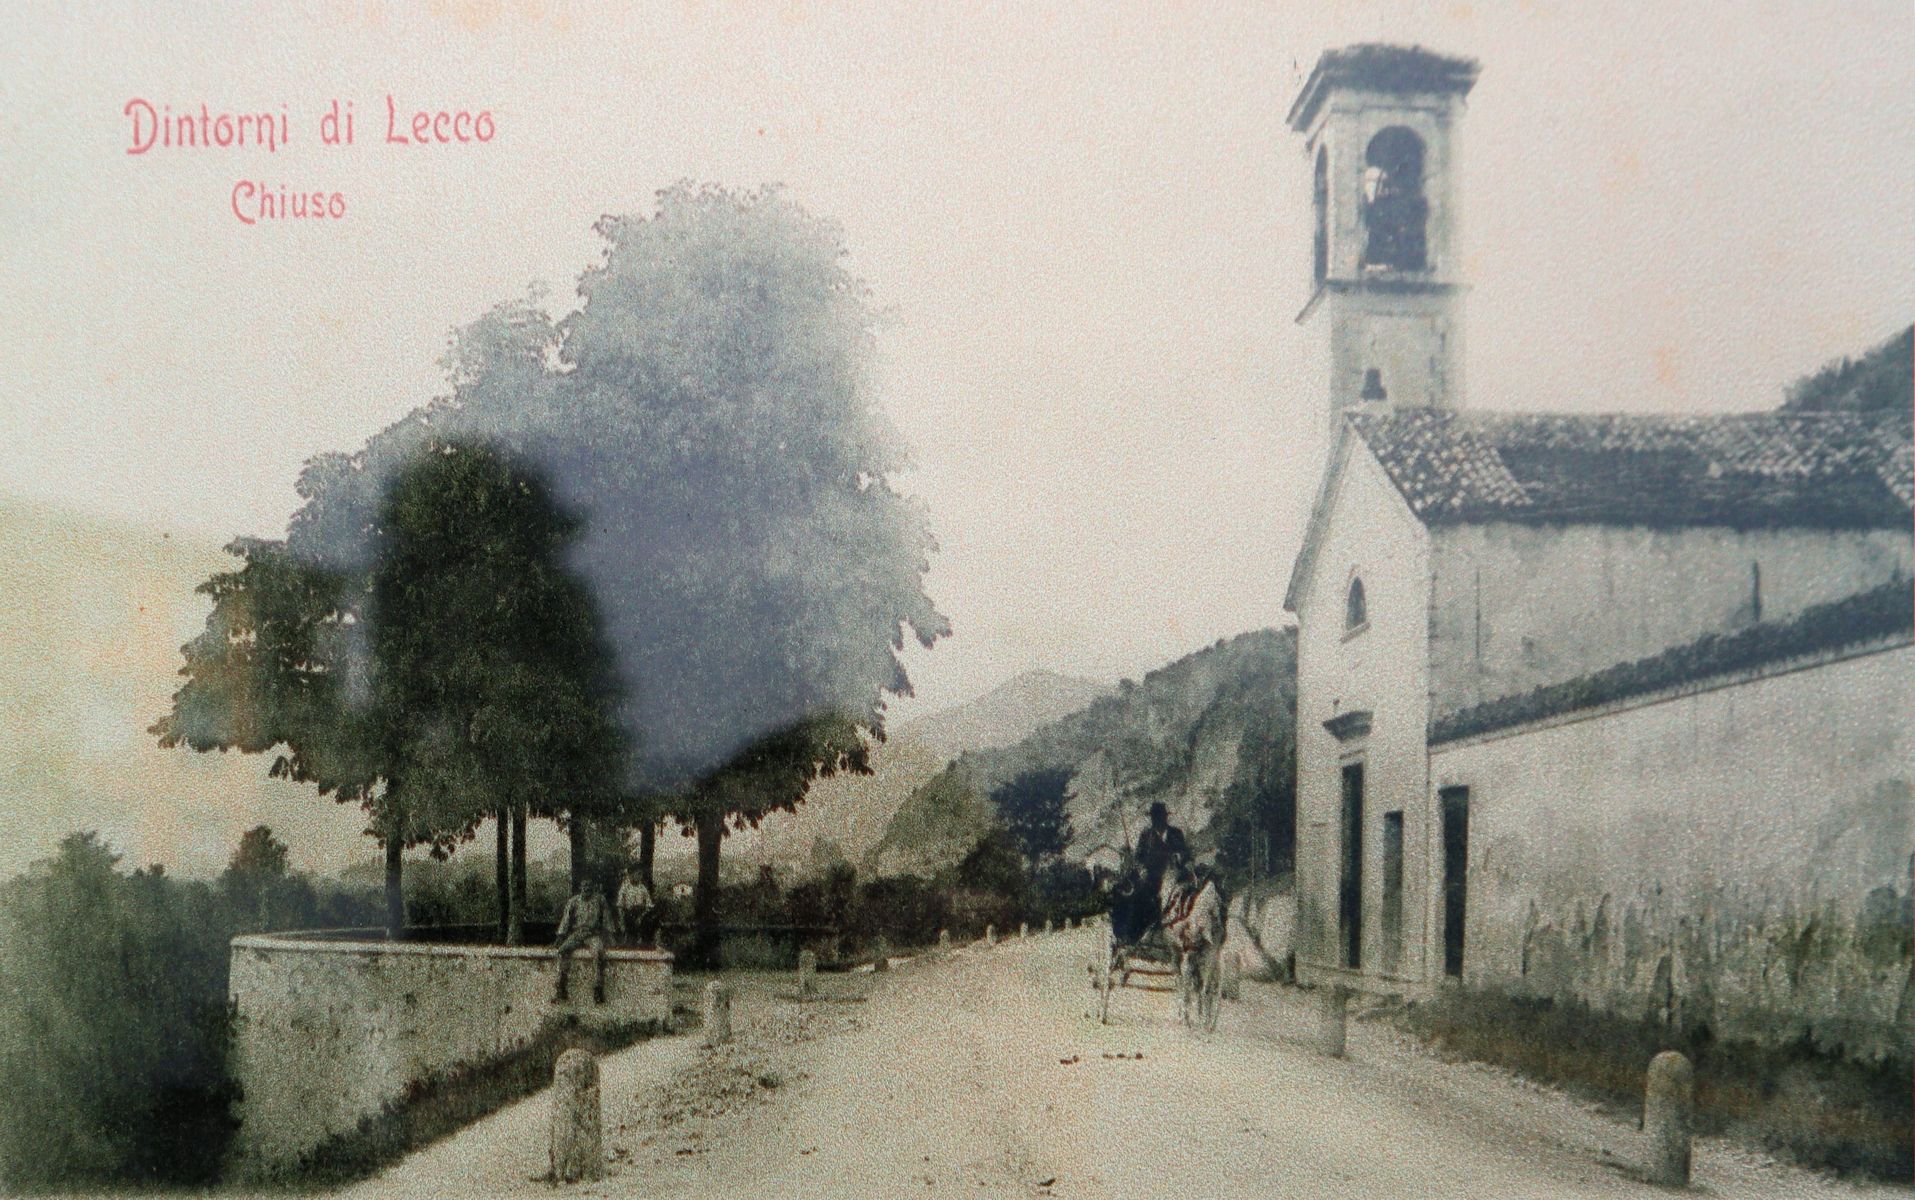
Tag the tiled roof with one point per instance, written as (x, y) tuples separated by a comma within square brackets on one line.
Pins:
[(1747, 470), (1885, 613)]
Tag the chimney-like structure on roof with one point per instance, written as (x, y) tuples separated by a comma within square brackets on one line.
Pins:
[(1381, 122)]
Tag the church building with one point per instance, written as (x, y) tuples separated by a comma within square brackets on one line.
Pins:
[(1606, 709)]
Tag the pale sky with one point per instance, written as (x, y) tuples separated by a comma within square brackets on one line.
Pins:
[(1090, 223)]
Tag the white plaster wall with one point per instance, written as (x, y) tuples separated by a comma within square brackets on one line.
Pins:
[(329, 1032), (1739, 857), (1517, 606), (1368, 530)]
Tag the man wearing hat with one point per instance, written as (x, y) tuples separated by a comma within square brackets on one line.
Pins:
[(1159, 846)]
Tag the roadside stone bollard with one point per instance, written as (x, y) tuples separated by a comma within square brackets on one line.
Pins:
[(990, 935), (1023, 930), (881, 956), (944, 941), (807, 973), (717, 1013), (1668, 1102), (1232, 982), (1333, 1020), (578, 1151), (1049, 927)]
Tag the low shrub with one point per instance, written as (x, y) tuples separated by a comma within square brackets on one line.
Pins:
[(1810, 1107)]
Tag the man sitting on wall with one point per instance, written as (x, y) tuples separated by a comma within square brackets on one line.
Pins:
[(587, 921)]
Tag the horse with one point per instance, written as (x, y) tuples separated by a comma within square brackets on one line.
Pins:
[(1196, 921)]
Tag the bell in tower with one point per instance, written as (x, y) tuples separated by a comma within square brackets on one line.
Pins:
[(1381, 128)]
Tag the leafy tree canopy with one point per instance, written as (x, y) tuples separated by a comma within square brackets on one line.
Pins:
[(709, 413), (259, 855), (488, 662)]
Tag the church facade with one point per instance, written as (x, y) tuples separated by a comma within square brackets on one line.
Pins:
[(1604, 709)]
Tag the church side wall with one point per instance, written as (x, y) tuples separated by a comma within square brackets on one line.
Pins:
[(1737, 857), (1368, 532), (328, 1033), (1519, 606)]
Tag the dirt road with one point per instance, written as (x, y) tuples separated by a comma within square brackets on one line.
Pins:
[(986, 1075)]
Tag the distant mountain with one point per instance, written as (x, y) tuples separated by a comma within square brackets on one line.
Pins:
[(844, 818), (1194, 734), (94, 613), (1005, 714)]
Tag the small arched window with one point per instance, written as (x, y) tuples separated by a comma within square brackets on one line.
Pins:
[(1356, 614), (1322, 202), (1395, 213)]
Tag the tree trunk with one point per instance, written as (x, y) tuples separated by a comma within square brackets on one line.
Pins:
[(647, 841), (578, 853), (515, 933), (503, 874), (711, 836), (395, 890)]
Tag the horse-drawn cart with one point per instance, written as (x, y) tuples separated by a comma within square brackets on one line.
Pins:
[(1149, 966), (1164, 941)]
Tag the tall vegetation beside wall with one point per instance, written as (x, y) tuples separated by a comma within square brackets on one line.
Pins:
[(113, 1025), (1799, 1101)]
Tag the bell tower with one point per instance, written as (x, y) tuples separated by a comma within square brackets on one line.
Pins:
[(1380, 124)]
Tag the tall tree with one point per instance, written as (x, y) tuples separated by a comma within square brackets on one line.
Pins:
[(258, 867), (280, 664), (1031, 808), (717, 385), (709, 414), (498, 689), (417, 646), (259, 855), (771, 775)]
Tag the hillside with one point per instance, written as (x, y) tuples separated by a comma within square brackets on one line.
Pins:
[(1881, 380), (1205, 734), (844, 818)]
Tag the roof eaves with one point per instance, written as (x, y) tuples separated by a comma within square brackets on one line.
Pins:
[(1319, 513)]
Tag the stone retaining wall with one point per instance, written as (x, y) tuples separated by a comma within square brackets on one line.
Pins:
[(330, 1030)]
